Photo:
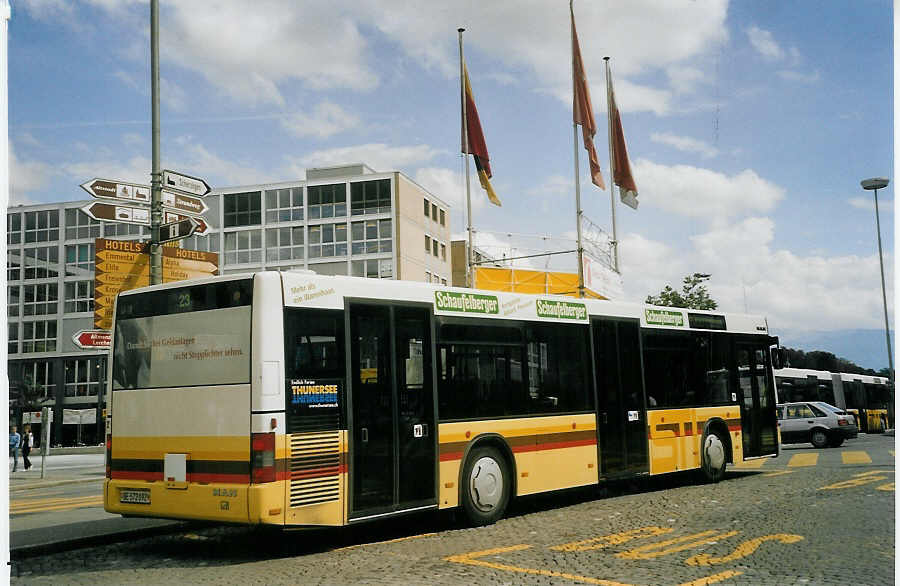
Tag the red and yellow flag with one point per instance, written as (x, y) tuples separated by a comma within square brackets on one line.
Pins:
[(582, 112), (475, 144), (621, 167)]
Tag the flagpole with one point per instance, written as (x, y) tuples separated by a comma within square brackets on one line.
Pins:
[(465, 144), (577, 179), (612, 172)]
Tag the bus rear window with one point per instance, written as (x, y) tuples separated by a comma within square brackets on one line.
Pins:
[(189, 336)]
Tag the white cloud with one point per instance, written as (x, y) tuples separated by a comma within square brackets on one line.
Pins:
[(868, 203), (214, 168), (764, 43), (26, 177), (696, 192), (684, 80), (796, 293), (686, 144), (328, 119), (448, 185), (170, 93), (135, 169), (378, 156)]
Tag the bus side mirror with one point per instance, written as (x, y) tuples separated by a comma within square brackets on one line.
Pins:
[(779, 357)]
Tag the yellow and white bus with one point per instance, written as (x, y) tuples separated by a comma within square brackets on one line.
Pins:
[(868, 398), (294, 399)]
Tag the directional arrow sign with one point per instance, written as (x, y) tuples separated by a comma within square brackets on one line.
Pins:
[(118, 190), (185, 183), (108, 212), (202, 226), (185, 204), (92, 338), (177, 230)]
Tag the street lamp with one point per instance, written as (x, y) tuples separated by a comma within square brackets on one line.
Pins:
[(875, 184)]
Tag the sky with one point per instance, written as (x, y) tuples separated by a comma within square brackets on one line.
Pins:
[(749, 125)]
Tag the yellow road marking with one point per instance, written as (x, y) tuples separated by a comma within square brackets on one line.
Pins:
[(470, 559), (713, 579), (778, 473), (615, 539), (645, 551), (888, 487), (871, 472), (35, 506), (857, 481), (741, 551), (809, 459), (750, 464), (855, 458)]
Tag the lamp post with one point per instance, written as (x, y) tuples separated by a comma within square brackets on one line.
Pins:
[(875, 184)]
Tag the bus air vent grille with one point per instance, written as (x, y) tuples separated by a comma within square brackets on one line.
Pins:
[(315, 468)]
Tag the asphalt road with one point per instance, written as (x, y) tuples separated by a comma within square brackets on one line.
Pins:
[(807, 517)]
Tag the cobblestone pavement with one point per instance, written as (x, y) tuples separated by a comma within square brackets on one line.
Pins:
[(808, 517)]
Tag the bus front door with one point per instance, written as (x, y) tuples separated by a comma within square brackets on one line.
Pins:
[(622, 414), (759, 422), (393, 436)]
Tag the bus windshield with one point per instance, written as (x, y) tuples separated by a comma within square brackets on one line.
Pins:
[(191, 336)]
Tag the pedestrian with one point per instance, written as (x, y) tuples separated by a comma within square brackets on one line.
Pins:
[(14, 440), (27, 444)]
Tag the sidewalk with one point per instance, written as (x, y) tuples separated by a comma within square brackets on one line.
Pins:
[(59, 469)]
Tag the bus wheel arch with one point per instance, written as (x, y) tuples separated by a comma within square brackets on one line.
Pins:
[(486, 458), (715, 450)]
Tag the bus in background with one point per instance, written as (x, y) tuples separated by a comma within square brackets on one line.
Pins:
[(867, 398), (293, 399)]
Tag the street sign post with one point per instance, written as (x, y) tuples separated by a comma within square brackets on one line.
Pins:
[(185, 183), (118, 190), (177, 230), (202, 226), (90, 339), (184, 204), (109, 212)]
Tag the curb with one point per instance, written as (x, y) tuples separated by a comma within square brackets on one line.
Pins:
[(100, 538), (46, 483)]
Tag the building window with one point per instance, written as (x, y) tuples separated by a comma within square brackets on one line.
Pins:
[(284, 244), (41, 262), (284, 205), (39, 373), (434, 247), (79, 259), (12, 300), (444, 282), (243, 247), (117, 229), (79, 296), (371, 236), (14, 228), (434, 215), (12, 340), (41, 299), (443, 218), (39, 336), (427, 277), (242, 209), (370, 197), (327, 201), (373, 268), (328, 240), (443, 252), (427, 244), (42, 226), (427, 207), (207, 243), (80, 225), (82, 377)]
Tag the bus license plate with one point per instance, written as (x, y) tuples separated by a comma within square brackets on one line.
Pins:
[(137, 497)]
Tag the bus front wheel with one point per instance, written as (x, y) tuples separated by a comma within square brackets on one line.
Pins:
[(713, 454), (486, 485)]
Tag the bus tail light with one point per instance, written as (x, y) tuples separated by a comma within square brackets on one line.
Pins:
[(262, 457), (108, 455)]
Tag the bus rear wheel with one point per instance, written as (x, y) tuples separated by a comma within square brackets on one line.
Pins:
[(486, 485), (713, 457)]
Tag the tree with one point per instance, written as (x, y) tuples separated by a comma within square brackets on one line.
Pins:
[(693, 295)]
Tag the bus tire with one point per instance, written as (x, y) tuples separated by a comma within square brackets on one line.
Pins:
[(486, 485), (818, 438), (712, 451)]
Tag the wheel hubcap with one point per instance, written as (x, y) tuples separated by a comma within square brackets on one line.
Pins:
[(715, 452), (486, 484)]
